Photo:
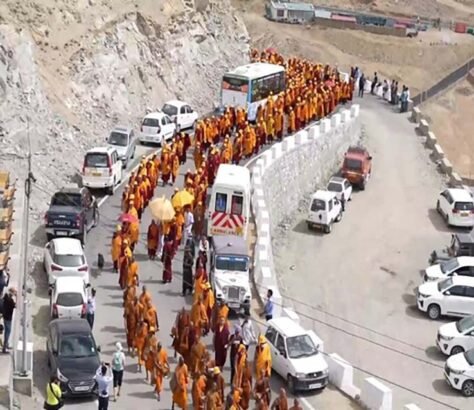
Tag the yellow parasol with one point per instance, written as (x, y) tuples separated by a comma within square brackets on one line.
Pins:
[(182, 198), (162, 209)]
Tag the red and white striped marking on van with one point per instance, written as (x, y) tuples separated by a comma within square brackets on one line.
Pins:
[(223, 223)]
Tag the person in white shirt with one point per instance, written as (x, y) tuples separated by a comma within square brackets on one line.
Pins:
[(118, 365), (104, 380), (188, 224), (248, 333)]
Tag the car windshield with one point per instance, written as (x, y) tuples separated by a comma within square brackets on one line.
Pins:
[(64, 199), (445, 284), (151, 122), (118, 138), (300, 346), (77, 346), (449, 265), (69, 299), (170, 110), (318, 205), (232, 263), (465, 323), (96, 160), (334, 187), (353, 164), (69, 261), (464, 206), (469, 356)]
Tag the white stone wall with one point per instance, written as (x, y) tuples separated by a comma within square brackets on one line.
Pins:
[(286, 173)]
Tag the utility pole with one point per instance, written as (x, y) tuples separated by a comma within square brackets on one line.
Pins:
[(28, 182)]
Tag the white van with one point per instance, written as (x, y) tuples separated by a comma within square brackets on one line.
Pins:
[(102, 169), (229, 207), (324, 210)]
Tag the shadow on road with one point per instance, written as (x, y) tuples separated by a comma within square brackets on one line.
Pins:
[(41, 370), (38, 238), (409, 299), (41, 281), (112, 329), (433, 353), (437, 221), (40, 321), (443, 388)]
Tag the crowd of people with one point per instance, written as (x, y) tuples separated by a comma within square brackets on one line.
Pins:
[(313, 91)]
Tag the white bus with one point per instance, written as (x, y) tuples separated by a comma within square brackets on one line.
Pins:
[(249, 86)]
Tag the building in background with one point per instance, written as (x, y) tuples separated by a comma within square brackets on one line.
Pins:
[(289, 12)]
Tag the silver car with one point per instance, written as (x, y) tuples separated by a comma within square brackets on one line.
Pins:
[(123, 140)]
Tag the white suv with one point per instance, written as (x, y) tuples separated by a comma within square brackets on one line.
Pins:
[(459, 372), (296, 355), (324, 210), (456, 205), (102, 169), (157, 128), (450, 297), (461, 266), (456, 337), (181, 113)]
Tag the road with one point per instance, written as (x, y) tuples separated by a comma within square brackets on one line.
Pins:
[(363, 273), (109, 326)]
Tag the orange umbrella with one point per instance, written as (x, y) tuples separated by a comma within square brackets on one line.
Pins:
[(182, 198), (162, 209)]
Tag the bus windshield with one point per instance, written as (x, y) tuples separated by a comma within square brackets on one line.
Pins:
[(235, 83)]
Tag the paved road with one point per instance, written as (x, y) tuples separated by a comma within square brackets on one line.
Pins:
[(365, 271), (109, 327)]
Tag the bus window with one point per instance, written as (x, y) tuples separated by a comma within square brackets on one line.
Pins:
[(221, 202), (261, 87), (237, 205), (235, 84)]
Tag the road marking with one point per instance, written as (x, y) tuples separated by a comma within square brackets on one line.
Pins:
[(306, 403)]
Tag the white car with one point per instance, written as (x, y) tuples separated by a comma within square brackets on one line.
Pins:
[(102, 169), (181, 113), (157, 128), (456, 337), (450, 297), (456, 205), (69, 298), (459, 372), (123, 140), (324, 210), (341, 186), (296, 355), (460, 266), (64, 257)]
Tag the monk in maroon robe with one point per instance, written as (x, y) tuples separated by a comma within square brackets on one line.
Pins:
[(167, 260), (221, 339)]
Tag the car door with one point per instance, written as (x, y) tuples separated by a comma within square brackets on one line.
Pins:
[(280, 358), (463, 271), (443, 202), (52, 349), (347, 190), (455, 301), (131, 144), (182, 118), (469, 300), (48, 259), (271, 335), (117, 164), (170, 126), (193, 116)]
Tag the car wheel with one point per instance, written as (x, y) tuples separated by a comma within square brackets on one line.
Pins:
[(110, 189), (434, 312), (328, 228), (468, 388), (247, 311), (456, 350), (290, 380), (309, 225), (133, 153), (438, 208), (362, 185), (339, 217), (96, 217)]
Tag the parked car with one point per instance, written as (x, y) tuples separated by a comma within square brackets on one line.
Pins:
[(456, 337), (456, 206), (157, 128), (181, 114), (462, 244), (123, 140), (296, 355), (102, 169), (68, 298), (357, 166), (448, 297), (65, 257), (462, 266), (324, 210), (73, 356), (459, 372), (340, 186), (72, 213)]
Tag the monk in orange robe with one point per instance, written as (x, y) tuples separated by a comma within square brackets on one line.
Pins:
[(131, 320), (149, 354), (161, 368), (153, 239), (139, 342), (150, 316), (116, 247), (180, 391), (199, 391)]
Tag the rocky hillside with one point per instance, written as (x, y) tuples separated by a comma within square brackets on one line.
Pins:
[(71, 69)]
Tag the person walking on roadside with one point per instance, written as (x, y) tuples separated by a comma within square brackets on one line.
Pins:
[(104, 380), (118, 365), (374, 84), (361, 85), (9, 305), (90, 308), (268, 307), (248, 333), (54, 399)]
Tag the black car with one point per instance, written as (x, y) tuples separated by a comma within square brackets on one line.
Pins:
[(73, 356), (72, 212)]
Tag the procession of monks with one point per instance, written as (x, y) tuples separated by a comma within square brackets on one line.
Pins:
[(312, 92)]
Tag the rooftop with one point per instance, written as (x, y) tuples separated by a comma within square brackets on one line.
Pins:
[(324, 195), (234, 175), (230, 245), (287, 326), (256, 70), (293, 6), (71, 325), (67, 246), (460, 194)]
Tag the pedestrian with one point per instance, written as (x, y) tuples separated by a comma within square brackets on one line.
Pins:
[(343, 202), (4, 280), (9, 305), (361, 85), (234, 341), (374, 84), (188, 277), (248, 333), (188, 223), (104, 380), (118, 365), (54, 394), (281, 402), (203, 250), (167, 260), (90, 308), (268, 307)]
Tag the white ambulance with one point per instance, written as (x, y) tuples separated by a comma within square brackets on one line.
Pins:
[(229, 204)]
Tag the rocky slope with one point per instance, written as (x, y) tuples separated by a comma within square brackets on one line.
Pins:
[(71, 71)]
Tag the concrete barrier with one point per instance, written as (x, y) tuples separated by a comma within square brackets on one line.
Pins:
[(424, 128), (446, 166), (416, 115), (438, 152), (375, 395), (456, 181), (341, 375), (411, 407), (431, 140)]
